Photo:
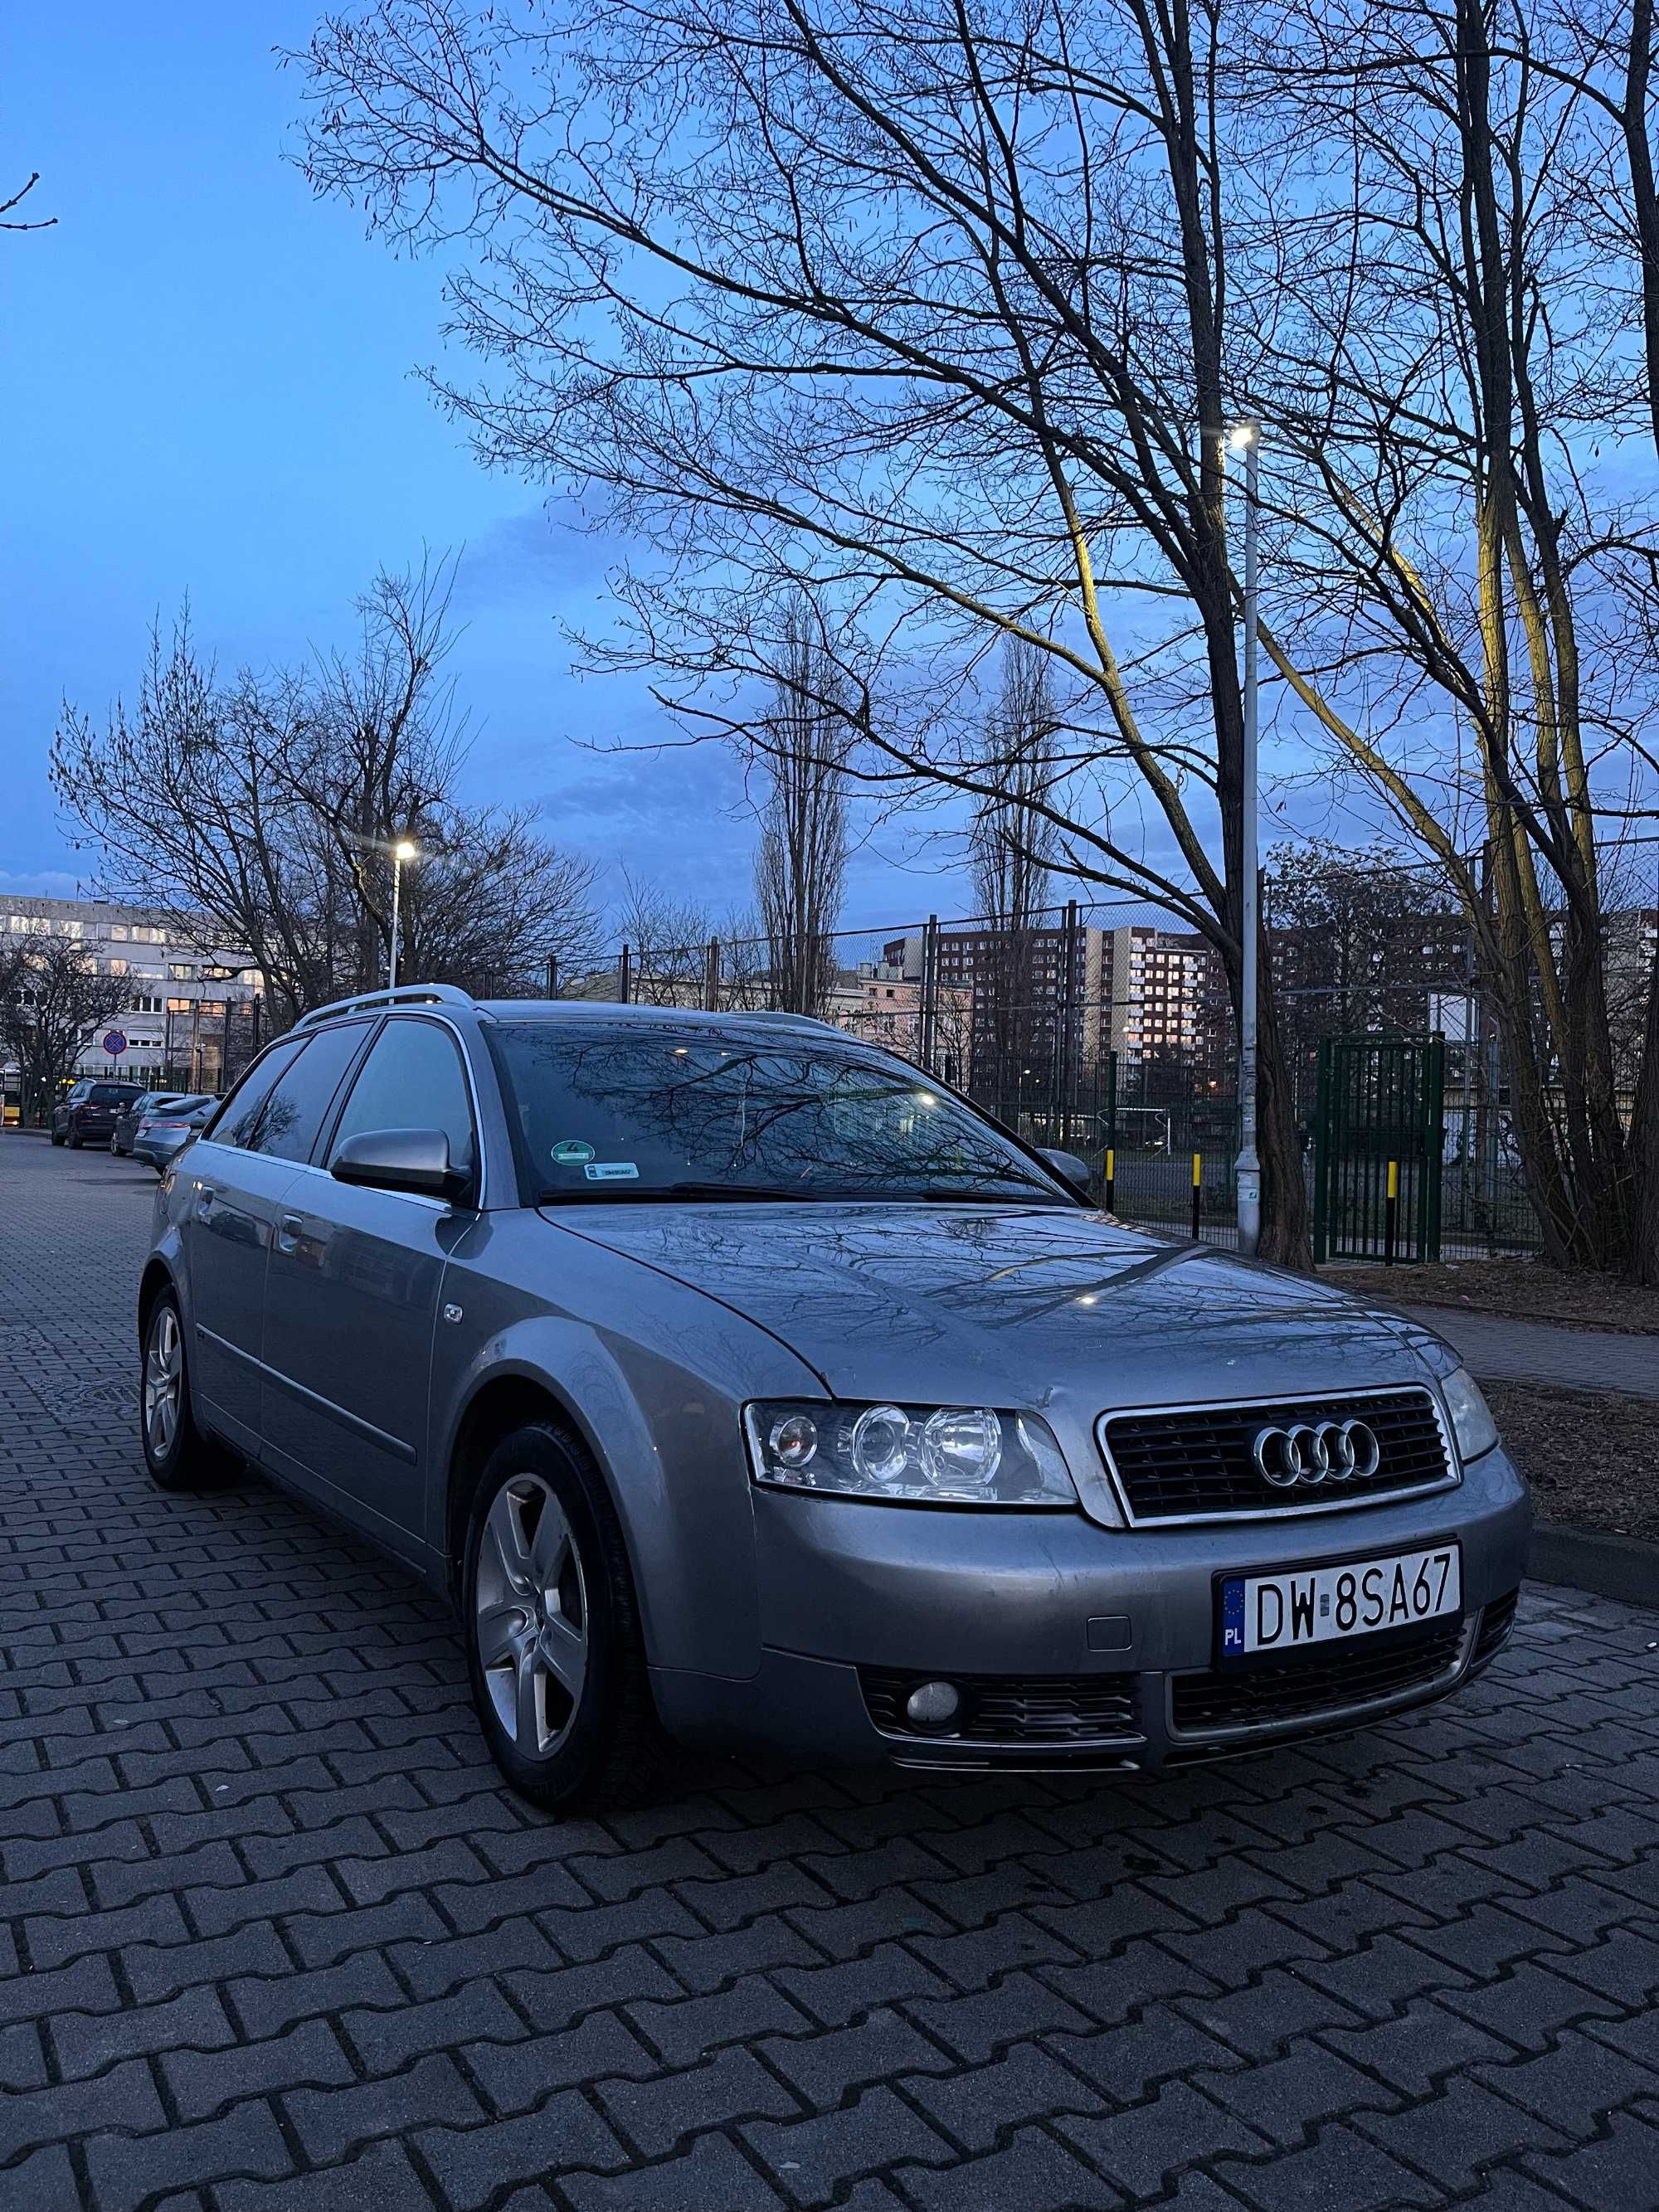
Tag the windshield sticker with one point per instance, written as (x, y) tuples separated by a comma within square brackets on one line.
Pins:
[(611, 1171), (571, 1152)]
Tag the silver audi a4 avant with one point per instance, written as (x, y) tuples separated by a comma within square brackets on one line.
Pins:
[(742, 1385)]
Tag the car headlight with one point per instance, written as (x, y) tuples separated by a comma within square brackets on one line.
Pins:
[(913, 1455), (1471, 1416)]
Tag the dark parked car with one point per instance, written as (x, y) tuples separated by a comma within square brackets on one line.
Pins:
[(87, 1114), (147, 1102), (162, 1135), (742, 1383)]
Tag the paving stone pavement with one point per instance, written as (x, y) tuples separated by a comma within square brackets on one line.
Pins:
[(1532, 1351), (273, 1936)]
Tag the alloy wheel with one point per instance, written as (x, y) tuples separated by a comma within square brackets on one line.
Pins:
[(531, 1617), (164, 1369)]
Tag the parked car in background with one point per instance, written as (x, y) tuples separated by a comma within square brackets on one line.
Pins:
[(147, 1102), (87, 1113), (159, 1136), (742, 1383)]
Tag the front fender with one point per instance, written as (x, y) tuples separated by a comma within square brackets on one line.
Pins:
[(164, 1265), (669, 1445)]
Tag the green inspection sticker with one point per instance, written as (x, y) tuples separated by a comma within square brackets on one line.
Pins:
[(572, 1152)]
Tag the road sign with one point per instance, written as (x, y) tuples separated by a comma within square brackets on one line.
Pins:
[(114, 1043)]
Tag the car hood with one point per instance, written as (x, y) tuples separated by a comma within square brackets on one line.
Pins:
[(1013, 1306)]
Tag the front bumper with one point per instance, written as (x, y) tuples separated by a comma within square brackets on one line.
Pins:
[(1081, 1647)]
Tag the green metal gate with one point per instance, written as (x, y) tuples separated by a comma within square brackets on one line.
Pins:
[(1381, 1105)]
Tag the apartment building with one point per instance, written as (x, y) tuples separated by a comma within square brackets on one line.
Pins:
[(189, 1017)]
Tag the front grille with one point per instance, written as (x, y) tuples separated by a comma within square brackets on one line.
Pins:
[(1194, 1463), (1495, 1623), (1306, 1684), (1009, 1709)]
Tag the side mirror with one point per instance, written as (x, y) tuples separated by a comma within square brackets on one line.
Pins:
[(399, 1159), (1067, 1165)]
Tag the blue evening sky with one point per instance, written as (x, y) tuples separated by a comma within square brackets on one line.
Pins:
[(205, 380), (206, 377)]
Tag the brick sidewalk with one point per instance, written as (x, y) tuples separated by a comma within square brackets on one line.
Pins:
[(274, 1935), (1511, 1351)]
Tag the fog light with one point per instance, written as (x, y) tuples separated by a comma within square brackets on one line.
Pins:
[(934, 1706)]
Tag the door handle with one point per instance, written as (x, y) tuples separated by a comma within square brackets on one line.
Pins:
[(289, 1229), (204, 1200)]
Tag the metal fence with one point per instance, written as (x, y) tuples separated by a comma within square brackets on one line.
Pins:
[(207, 1043), (1106, 1028)]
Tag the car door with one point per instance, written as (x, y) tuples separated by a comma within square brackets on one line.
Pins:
[(225, 1212), (63, 1114), (353, 1296), (237, 1178)]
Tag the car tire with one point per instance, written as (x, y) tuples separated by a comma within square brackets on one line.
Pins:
[(178, 1454), (56, 1136), (555, 1652), (75, 1140)]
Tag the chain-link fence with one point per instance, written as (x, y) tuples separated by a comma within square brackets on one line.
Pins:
[(1107, 1028)]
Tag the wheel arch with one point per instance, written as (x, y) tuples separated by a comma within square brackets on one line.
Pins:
[(502, 1403), (156, 1277)]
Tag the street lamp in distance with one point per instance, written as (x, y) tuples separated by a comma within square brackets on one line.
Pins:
[(404, 849), (1245, 437)]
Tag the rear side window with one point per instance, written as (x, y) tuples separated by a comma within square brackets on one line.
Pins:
[(413, 1079), (241, 1118), (298, 1106)]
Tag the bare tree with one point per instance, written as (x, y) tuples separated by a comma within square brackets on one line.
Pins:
[(1605, 52), (1360, 939), (1013, 845), (1452, 564), (261, 814), (53, 1001), (187, 806), (800, 863), (929, 311), (946, 314), (667, 941)]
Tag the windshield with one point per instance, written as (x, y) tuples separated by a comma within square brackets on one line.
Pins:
[(662, 1113)]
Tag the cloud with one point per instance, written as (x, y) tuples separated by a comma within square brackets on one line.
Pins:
[(41, 883), (543, 555)]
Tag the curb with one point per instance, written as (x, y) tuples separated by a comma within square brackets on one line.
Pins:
[(1623, 1567)]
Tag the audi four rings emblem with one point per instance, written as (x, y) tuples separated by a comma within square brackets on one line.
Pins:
[(1316, 1451)]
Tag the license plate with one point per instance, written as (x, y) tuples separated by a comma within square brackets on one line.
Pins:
[(1325, 1605)]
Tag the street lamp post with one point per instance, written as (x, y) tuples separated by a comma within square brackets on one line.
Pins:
[(401, 851), (1246, 437)]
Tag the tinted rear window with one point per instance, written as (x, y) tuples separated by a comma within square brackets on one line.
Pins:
[(111, 1094), (295, 1110), (241, 1117)]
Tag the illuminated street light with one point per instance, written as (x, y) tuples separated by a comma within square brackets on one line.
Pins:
[(1246, 438), (404, 849)]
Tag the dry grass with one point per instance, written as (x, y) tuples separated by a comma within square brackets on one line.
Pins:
[(1592, 1458), (1523, 1289)]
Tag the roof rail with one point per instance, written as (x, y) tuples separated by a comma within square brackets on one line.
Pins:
[(414, 994), (788, 1014)]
